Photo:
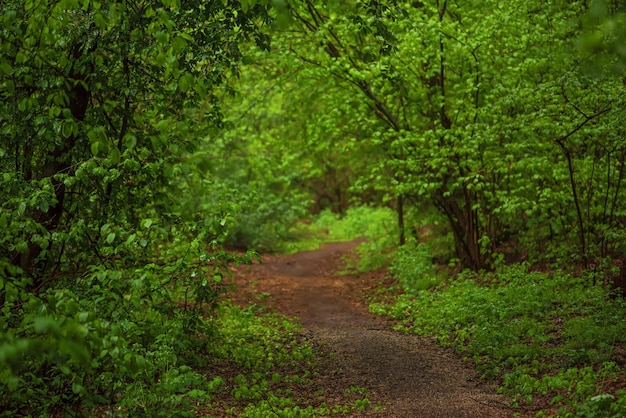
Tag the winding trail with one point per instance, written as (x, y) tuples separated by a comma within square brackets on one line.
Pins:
[(408, 376)]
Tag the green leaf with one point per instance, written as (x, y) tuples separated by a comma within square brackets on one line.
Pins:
[(131, 239), (161, 37), (67, 129), (77, 387), (130, 141), (115, 156), (110, 238), (95, 148), (179, 43), (186, 82), (44, 206), (23, 105), (9, 17), (5, 68)]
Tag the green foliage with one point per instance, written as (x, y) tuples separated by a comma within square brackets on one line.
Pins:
[(376, 226), (541, 334), (257, 343), (287, 155), (132, 148), (273, 361), (109, 269), (114, 338), (358, 222), (483, 111), (413, 267), (603, 405)]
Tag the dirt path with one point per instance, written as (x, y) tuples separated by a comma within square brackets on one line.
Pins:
[(409, 376)]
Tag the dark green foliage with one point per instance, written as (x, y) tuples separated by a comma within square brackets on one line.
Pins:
[(110, 266)]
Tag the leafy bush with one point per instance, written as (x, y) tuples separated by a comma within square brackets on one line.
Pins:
[(117, 337), (413, 267), (263, 218)]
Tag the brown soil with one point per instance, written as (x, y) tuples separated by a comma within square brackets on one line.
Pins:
[(405, 375)]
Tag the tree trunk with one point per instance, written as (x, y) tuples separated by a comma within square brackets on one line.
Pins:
[(464, 223), (400, 209), (59, 161)]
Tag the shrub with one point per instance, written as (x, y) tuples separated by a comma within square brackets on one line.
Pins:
[(413, 267)]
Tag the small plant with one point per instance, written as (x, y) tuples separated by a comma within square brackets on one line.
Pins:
[(540, 334), (602, 406), (413, 267)]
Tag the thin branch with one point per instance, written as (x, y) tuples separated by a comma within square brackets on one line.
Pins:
[(561, 141)]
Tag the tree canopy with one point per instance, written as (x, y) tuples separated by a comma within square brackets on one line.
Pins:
[(499, 116)]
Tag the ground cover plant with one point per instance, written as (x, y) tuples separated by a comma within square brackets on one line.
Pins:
[(555, 343), (260, 365)]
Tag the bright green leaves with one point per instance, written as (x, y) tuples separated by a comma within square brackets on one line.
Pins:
[(186, 82), (462, 105)]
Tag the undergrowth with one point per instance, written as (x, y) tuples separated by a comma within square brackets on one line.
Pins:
[(266, 368), (412, 265), (543, 336), (124, 339), (152, 340)]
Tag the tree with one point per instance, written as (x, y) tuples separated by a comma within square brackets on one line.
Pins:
[(108, 89), (467, 96), (103, 105)]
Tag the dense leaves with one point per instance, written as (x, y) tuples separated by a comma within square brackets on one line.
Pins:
[(488, 112), (108, 269), (553, 340)]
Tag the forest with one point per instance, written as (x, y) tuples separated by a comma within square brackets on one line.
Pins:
[(148, 149)]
